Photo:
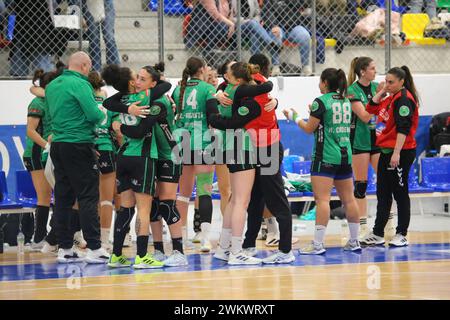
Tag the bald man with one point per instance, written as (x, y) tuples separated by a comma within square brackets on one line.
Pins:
[(74, 114)]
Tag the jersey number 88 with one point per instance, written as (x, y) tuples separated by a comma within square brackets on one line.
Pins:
[(342, 112)]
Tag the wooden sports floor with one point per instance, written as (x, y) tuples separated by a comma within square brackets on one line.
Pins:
[(419, 271)]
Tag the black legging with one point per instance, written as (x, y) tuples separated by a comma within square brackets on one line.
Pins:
[(269, 190), (393, 182)]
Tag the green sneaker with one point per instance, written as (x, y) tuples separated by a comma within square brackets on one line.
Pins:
[(147, 262), (118, 261)]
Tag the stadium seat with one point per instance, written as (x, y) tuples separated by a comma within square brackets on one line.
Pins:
[(25, 192), (5, 202), (328, 43), (436, 173), (171, 7), (301, 167), (413, 182), (443, 4), (381, 4), (288, 161), (413, 25), (371, 181)]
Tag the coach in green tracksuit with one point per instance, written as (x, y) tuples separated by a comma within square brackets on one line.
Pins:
[(75, 114)]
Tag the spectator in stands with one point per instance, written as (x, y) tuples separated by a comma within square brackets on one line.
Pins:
[(284, 19), (329, 7), (96, 19), (214, 22), (415, 6), (33, 38)]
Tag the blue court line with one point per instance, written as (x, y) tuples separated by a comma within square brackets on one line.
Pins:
[(205, 262)]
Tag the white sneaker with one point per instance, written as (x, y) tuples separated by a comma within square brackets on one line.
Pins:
[(68, 256), (48, 248), (251, 252), (79, 241), (242, 259), (222, 254), (128, 241), (313, 249), (197, 237), (97, 256), (372, 239), (158, 255), (272, 240), (80, 252), (279, 257), (399, 240), (352, 245), (205, 246), (176, 259), (37, 246)]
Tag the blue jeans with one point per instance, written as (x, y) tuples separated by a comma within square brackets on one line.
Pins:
[(216, 33), (93, 35), (260, 38), (300, 36), (415, 6)]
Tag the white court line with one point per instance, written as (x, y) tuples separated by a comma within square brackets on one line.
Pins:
[(301, 272)]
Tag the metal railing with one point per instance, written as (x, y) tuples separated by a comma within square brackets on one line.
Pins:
[(301, 37)]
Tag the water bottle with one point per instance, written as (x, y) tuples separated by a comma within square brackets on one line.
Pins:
[(344, 232), (20, 243)]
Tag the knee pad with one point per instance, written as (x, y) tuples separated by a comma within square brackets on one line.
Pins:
[(204, 183), (168, 211), (360, 189), (155, 216), (123, 219), (183, 199), (106, 203)]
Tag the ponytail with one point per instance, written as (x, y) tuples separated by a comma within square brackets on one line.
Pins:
[(244, 71), (409, 83), (351, 72), (342, 83), (193, 65), (160, 66), (183, 85), (335, 80), (403, 73), (358, 64)]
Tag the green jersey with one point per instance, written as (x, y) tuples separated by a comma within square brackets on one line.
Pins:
[(226, 112), (143, 147), (332, 137), (164, 130), (72, 107), (193, 116), (361, 132), (36, 109), (104, 141)]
